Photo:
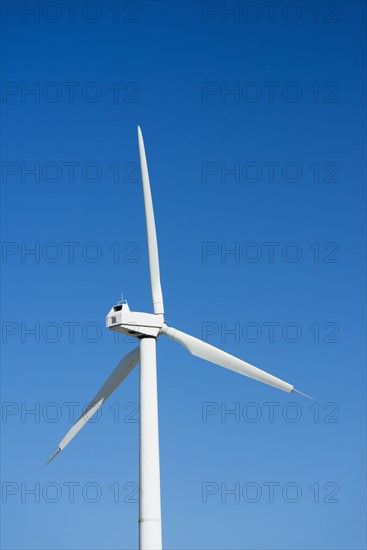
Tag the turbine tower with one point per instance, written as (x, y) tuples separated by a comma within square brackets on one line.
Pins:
[(147, 327)]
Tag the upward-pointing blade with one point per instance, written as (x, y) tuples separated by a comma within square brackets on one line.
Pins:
[(214, 355), (151, 232), (124, 367)]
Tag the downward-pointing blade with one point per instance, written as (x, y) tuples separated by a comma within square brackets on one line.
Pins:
[(124, 367), (151, 232), (214, 355)]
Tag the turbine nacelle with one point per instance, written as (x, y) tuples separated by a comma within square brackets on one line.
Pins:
[(134, 323)]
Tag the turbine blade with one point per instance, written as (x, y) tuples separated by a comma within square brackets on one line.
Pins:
[(124, 367), (217, 356), (151, 231)]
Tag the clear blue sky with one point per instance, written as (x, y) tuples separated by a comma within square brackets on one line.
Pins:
[(255, 136)]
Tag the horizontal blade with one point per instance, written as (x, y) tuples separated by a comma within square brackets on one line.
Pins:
[(155, 280), (124, 367), (215, 355)]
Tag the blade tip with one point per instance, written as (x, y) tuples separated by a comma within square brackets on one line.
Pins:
[(53, 456), (304, 394)]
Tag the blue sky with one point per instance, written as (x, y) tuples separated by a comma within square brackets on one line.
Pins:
[(254, 129)]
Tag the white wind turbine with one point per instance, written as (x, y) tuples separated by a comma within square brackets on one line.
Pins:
[(147, 327)]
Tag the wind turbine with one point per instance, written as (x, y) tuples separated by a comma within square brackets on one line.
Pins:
[(147, 327)]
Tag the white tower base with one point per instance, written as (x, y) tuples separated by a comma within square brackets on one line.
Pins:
[(150, 522)]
